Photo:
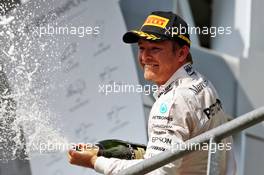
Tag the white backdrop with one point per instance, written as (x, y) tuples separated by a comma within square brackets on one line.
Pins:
[(87, 62)]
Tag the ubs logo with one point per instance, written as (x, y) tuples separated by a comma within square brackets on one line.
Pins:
[(163, 108)]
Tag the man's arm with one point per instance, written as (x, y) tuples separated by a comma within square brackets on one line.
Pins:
[(111, 166), (181, 116)]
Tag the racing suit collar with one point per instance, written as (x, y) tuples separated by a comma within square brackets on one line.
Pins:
[(180, 73)]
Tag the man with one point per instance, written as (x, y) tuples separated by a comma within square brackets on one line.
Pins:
[(186, 102)]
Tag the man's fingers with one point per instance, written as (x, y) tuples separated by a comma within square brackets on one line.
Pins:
[(80, 145), (81, 158), (80, 154), (74, 157), (70, 152), (74, 161), (71, 160), (75, 154)]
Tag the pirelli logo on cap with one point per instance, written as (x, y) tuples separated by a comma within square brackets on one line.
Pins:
[(154, 20)]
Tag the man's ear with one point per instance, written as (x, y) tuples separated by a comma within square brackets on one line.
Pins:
[(183, 53)]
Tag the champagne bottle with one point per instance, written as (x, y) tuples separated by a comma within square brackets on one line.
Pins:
[(120, 149)]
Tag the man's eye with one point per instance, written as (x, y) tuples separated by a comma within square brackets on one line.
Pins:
[(141, 48), (155, 49)]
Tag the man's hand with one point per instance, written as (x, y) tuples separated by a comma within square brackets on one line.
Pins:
[(85, 157)]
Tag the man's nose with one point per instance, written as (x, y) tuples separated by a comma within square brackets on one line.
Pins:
[(145, 55)]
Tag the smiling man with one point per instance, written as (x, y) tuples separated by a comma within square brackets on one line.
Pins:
[(158, 67), (186, 102)]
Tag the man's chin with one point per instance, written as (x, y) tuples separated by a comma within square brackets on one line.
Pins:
[(149, 78)]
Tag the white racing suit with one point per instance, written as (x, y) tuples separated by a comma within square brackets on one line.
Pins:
[(186, 106)]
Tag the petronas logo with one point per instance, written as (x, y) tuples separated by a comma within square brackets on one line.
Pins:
[(163, 108)]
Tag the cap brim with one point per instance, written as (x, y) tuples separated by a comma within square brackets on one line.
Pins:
[(134, 35)]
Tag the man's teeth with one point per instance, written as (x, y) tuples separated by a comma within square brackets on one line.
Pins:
[(150, 65)]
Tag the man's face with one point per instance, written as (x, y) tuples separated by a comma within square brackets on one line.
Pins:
[(158, 60)]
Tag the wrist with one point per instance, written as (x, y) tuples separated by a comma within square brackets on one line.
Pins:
[(93, 160)]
